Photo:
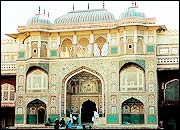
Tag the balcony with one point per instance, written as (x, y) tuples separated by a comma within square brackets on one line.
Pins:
[(168, 62), (8, 68)]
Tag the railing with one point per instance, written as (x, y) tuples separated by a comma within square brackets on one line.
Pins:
[(168, 60), (88, 51), (8, 66)]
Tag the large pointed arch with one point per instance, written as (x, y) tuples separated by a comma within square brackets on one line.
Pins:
[(73, 73)]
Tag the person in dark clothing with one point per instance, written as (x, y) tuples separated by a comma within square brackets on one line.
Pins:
[(62, 122), (84, 127), (56, 125), (48, 122)]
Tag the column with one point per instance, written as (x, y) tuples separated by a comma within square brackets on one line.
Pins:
[(135, 40), (117, 42), (117, 38), (49, 46), (58, 44), (25, 115), (108, 40), (74, 45), (30, 55), (155, 36), (39, 45), (124, 41), (145, 40), (91, 42)]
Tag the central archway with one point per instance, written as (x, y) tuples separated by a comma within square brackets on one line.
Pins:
[(78, 86), (87, 111)]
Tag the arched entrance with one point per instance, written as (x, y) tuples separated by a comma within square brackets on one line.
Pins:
[(36, 112), (87, 111), (41, 115), (79, 86), (132, 111)]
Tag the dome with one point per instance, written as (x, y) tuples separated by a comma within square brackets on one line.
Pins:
[(39, 19), (85, 16), (131, 12)]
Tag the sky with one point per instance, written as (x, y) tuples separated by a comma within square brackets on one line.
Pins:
[(17, 13)]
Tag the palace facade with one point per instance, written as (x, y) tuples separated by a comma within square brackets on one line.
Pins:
[(126, 69)]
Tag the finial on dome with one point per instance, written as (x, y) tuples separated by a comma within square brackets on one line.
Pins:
[(44, 11), (88, 6), (73, 6), (132, 4), (48, 14), (103, 4), (39, 10), (136, 6)]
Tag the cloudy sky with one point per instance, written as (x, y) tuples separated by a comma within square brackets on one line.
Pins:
[(16, 13)]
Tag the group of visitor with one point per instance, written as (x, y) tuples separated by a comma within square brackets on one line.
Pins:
[(63, 125)]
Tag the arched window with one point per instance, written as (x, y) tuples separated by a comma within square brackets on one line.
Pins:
[(7, 92), (100, 41), (171, 92), (34, 49), (140, 46), (66, 48), (82, 47), (37, 81), (130, 46), (83, 42), (132, 111), (132, 78), (43, 52)]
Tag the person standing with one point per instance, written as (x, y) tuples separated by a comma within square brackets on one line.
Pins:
[(56, 125), (48, 122), (62, 122), (84, 127), (70, 124)]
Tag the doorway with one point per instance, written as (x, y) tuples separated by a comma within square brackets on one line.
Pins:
[(36, 112), (41, 115), (87, 111)]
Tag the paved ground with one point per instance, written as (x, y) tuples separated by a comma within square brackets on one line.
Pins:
[(86, 125)]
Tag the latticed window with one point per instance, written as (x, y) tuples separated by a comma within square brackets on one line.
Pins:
[(132, 78), (140, 45), (43, 50), (7, 92), (37, 79)]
